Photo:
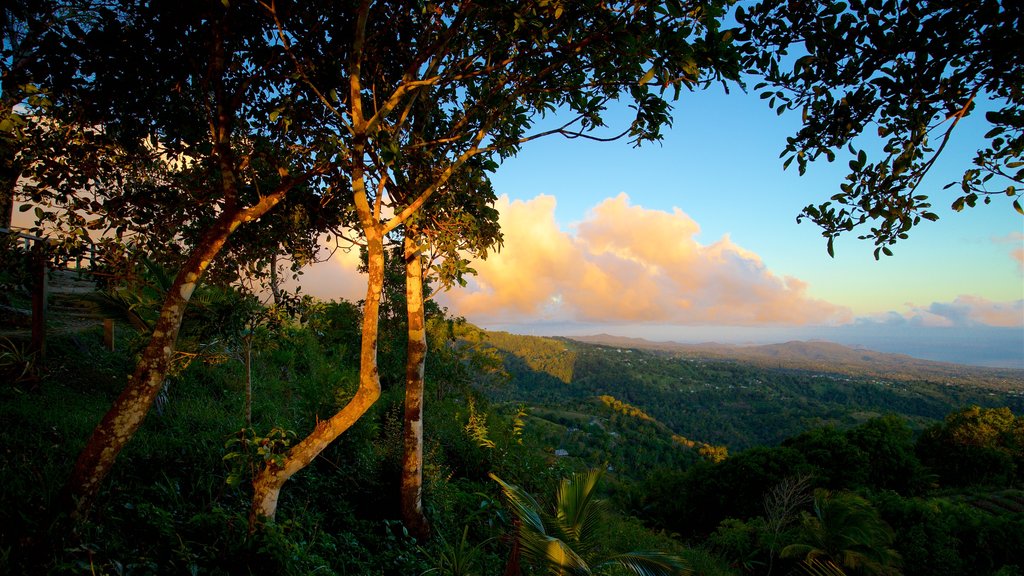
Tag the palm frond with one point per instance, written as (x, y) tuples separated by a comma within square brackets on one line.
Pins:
[(552, 552), (118, 305), (819, 567), (577, 510), (159, 274), (524, 506), (649, 563)]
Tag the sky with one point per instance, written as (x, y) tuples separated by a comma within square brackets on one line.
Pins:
[(696, 240)]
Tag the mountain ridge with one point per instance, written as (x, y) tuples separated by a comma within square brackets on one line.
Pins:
[(823, 355)]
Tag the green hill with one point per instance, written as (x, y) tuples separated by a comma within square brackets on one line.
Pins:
[(742, 397)]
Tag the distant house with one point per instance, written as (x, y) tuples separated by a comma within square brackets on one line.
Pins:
[(561, 452)]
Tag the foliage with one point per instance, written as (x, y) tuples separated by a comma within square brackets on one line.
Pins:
[(14, 269), (565, 540), (476, 427), (460, 559), (846, 531), (170, 511), (17, 363), (976, 446), (911, 70), (248, 450)]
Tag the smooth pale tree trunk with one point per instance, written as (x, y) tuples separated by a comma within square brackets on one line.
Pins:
[(124, 418), (412, 429), (269, 481)]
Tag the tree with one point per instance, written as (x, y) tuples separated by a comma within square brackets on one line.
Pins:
[(451, 227), (910, 70), (840, 465), (975, 446), (158, 133), (23, 25), (845, 531), (566, 539), (486, 72), (888, 443)]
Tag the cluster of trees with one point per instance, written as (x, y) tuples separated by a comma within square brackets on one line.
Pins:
[(719, 402), (221, 138), (861, 498), (374, 119)]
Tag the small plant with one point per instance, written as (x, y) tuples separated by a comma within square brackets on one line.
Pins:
[(247, 450), (477, 427), (565, 539), (17, 364), (457, 560)]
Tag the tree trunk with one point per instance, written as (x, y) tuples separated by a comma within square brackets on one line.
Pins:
[(248, 380), (412, 429), (267, 484), (9, 172), (126, 415), (9, 168), (275, 285)]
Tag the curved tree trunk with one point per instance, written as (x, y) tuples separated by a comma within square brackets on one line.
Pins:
[(125, 417), (412, 429), (269, 481)]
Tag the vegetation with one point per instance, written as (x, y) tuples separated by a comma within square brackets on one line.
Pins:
[(180, 503), (211, 141)]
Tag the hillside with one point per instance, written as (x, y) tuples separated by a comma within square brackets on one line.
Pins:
[(740, 397), (830, 357)]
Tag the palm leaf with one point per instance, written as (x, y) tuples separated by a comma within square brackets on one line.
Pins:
[(577, 510), (551, 552), (819, 567), (524, 506), (119, 305), (648, 563)]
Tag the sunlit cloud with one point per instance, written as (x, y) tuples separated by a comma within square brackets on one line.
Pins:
[(964, 311), (970, 311), (626, 263), (335, 277), (1017, 251)]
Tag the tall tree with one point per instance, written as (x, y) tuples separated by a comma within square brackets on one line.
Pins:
[(910, 70), (449, 229), (491, 70), (163, 139)]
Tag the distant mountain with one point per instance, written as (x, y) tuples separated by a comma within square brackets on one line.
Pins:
[(829, 357)]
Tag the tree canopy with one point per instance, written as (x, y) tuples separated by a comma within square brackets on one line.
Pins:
[(908, 71)]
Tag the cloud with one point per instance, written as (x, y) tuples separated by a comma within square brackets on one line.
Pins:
[(628, 264), (964, 311), (970, 311), (1017, 252), (335, 277)]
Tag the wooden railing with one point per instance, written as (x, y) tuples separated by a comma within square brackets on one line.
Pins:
[(37, 248)]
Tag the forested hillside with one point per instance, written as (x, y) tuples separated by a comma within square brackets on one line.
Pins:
[(739, 399), (722, 465), (207, 417)]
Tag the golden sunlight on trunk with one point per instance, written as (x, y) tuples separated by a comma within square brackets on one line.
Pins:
[(412, 431)]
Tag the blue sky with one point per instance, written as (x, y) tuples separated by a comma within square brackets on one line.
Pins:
[(696, 240), (953, 291)]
